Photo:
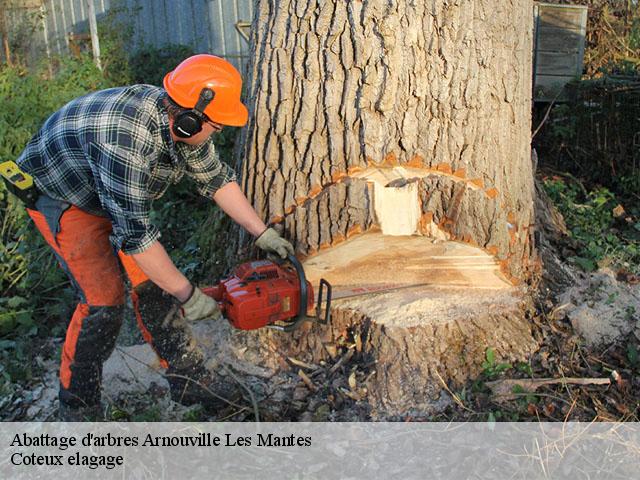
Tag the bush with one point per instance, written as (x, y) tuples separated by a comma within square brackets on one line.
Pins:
[(150, 64), (607, 235), (29, 99), (595, 135)]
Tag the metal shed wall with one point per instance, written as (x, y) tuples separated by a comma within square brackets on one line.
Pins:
[(205, 25)]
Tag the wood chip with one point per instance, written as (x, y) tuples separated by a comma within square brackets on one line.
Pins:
[(331, 349), (352, 381), (352, 395), (618, 211), (301, 364), (307, 381), (344, 359)]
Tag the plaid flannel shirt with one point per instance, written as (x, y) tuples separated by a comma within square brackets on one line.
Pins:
[(110, 153)]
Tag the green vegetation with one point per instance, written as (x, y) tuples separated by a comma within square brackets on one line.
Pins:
[(31, 298), (588, 145), (604, 239), (491, 367), (36, 300)]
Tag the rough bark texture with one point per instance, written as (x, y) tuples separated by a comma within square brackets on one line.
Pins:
[(342, 92), (444, 86), (409, 366)]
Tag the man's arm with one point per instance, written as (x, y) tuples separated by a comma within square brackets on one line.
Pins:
[(160, 269), (234, 203)]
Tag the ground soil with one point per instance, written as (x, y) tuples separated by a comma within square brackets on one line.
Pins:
[(134, 388)]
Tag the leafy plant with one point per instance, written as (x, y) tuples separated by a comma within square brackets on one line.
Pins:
[(525, 368), (150, 64), (150, 414), (490, 365), (31, 97), (589, 216)]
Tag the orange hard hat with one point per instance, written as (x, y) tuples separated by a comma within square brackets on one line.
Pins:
[(185, 83)]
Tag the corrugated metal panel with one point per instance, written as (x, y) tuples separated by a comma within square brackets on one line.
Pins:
[(205, 25)]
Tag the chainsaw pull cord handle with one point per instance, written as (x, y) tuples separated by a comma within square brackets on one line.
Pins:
[(304, 297)]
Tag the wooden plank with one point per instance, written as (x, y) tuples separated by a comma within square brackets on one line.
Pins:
[(559, 40), (558, 63), (560, 16), (559, 48)]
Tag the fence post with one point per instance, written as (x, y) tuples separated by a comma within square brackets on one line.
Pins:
[(4, 32), (93, 28)]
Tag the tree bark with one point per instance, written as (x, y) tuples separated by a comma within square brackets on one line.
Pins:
[(366, 111)]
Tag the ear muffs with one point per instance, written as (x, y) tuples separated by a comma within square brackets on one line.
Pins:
[(189, 122)]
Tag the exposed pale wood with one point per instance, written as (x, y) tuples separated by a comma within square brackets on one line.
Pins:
[(376, 259)]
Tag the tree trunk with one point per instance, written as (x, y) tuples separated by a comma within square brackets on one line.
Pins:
[(390, 141)]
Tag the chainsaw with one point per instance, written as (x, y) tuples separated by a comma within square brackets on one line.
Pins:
[(268, 294)]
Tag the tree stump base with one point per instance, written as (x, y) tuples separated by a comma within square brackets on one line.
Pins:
[(449, 303)]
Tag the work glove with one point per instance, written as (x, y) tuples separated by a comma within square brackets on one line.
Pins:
[(271, 241), (200, 306)]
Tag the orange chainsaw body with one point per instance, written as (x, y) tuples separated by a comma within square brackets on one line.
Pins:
[(260, 293)]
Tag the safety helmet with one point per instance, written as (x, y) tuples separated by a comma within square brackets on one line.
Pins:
[(186, 83)]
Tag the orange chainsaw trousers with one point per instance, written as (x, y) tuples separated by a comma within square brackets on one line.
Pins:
[(81, 243)]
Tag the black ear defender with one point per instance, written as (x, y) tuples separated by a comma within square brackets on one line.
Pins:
[(189, 122)]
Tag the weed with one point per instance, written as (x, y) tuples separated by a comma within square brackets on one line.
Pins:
[(116, 414), (151, 414), (37, 302), (195, 414), (525, 368), (603, 239), (491, 367)]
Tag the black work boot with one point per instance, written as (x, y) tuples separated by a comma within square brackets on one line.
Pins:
[(191, 383), (73, 408), (197, 385), (80, 400), (170, 336)]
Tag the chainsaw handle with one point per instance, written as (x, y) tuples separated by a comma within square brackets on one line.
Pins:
[(304, 295), (304, 298)]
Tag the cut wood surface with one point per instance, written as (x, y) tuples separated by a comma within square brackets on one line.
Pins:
[(376, 259)]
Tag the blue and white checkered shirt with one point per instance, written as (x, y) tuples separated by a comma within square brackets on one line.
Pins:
[(110, 153)]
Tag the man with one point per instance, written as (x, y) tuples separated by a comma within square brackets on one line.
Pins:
[(97, 164)]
